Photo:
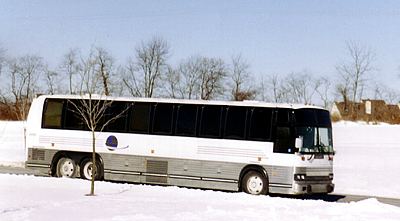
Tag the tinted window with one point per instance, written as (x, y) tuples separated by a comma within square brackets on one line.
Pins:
[(140, 117), (235, 123), (210, 121), (323, 118), (162, 121), (73, 119), (260, 124), (53, 114), (312, 117), (118, 111), (284, 142), (186, 120), (305, 117), (283, 116)]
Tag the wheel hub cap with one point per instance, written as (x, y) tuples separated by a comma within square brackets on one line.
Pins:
[(255, 185), (67, 169)]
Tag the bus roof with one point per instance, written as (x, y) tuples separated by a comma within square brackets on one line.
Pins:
[(246, 103)]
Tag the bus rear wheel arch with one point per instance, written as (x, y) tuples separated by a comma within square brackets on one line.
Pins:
[(254, 180)]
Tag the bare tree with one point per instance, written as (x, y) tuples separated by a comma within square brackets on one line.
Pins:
[(189, 71), (71, 67), (172, 86), (300, 87), (51, 78), (2, 58), (212, 73), (24, 73), (105, 68), (324, 91), (297, 87), (382, 92), (354, 73), (117, 81), (92, 106), (272, 89), (185, 81), (146, 70), (343, 88), (263, 90), (2, 63), (240, 76), (197, 78)]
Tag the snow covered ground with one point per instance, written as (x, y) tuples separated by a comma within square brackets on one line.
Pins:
[(367, 160), (12, 148), (366, 163), (47, 199)]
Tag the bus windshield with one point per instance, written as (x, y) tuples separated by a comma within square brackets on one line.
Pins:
[(315, 129), (316, 140)]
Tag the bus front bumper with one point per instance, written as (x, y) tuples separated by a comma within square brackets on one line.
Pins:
[(309, 188)]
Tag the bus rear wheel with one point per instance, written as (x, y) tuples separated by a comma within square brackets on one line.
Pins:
[(86, 169), (255, 183), (66, 167)]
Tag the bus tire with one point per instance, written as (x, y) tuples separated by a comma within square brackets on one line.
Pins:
[(255, 183), (66, 167), (86, 167)]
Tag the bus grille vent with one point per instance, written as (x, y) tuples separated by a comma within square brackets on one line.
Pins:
[(38, 154), (157, 171)]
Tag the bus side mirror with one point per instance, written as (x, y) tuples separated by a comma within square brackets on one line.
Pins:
[(299, 142)]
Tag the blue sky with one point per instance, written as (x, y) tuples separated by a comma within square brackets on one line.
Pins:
[(273, 36)]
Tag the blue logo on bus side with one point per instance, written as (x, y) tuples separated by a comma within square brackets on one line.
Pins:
[(112, 143)]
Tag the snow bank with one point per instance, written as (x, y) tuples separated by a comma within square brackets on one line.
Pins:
[(367, 160), (41, 198), (12, 148)]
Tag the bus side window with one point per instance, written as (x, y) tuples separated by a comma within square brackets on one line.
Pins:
[(52, 117), (210, 125), (162, 118), (73, 120), (235, 123), (118, 124), (186, 120), (283, 116), (284, 141), (260, 124), (140, 118)]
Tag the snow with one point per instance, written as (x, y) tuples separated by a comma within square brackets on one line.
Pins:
[(366, 163), (12, 148), (64, 199), (367, 159)]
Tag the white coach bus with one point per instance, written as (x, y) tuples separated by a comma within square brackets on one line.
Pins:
[(255, 147)]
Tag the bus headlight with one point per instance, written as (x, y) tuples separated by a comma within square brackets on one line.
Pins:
[(299, 177)]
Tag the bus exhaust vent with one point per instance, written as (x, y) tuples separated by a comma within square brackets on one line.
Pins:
[(156, 171), (38, 154)]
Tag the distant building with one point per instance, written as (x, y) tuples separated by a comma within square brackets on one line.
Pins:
[(366, 110)]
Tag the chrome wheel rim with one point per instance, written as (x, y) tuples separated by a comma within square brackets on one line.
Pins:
[(67, 168), (255, 185), (88, 170)]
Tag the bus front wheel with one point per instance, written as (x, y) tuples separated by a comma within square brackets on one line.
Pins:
[(66, 167), (255, 183), (86, 169)]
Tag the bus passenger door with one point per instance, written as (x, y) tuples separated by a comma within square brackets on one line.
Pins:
[(284, 139)]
